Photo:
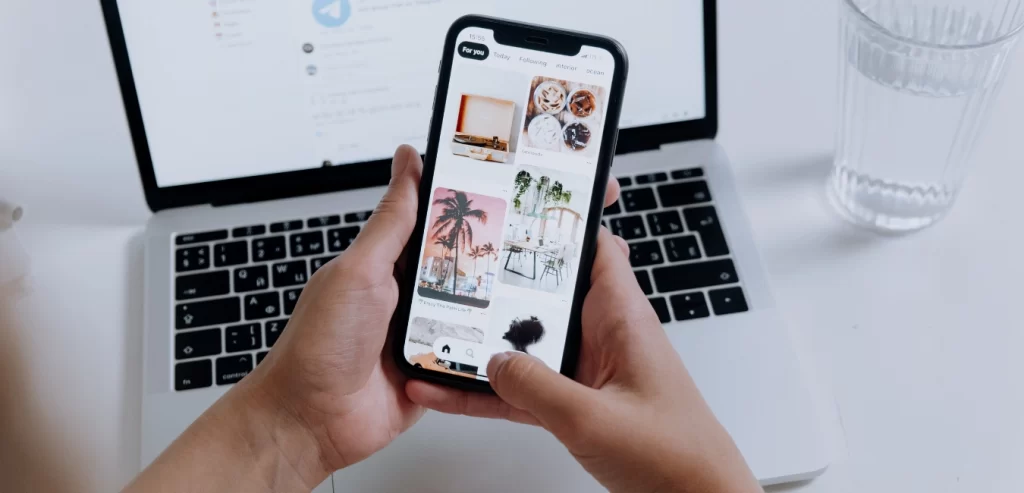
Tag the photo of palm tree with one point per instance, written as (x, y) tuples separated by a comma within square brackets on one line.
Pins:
[(459, 262)]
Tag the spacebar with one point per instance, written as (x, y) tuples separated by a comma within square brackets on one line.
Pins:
[(694, 276)]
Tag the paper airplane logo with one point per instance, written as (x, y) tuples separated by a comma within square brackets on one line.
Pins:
[(331, 13), (332, 9)]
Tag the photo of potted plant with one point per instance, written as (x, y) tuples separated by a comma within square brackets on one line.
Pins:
[(545, 229)]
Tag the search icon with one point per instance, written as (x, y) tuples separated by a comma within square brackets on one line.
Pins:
[(469, 352)]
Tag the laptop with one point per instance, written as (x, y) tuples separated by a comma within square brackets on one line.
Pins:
[(263, 133)]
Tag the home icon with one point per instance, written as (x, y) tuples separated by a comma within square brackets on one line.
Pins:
[(446, 349)]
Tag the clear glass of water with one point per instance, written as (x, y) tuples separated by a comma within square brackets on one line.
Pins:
[(917, 79)]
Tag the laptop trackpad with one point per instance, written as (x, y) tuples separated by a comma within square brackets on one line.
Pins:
[(462, 454)]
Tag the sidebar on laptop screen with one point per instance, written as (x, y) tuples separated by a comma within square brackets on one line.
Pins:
[(236, 88)]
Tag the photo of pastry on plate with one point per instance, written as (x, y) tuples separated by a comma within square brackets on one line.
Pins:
[(564, 116)]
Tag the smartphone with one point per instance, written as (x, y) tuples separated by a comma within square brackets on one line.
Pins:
[(520, 148)]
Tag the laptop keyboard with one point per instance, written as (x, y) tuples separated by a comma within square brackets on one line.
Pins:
[(677, 247), (235, 289)]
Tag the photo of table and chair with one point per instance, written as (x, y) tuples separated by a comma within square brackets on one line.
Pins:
[(546, 225)]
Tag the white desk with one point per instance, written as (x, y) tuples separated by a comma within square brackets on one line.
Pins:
[(915, 352)]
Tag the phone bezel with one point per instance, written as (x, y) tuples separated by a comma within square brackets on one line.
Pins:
[(408, 279)]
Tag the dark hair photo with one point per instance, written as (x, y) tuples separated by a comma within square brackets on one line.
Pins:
[(524, 333)]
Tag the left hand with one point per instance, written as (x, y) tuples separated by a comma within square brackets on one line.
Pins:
[(329, 369)]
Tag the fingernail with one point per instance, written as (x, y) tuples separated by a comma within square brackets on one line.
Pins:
[(400, 161)]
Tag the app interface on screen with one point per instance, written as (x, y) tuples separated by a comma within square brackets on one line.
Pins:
[(514, 174), (236, 88)]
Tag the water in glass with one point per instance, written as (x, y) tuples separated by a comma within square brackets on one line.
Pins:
[(916, 81)]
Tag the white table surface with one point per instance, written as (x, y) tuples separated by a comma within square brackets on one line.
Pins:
[(914, 348)]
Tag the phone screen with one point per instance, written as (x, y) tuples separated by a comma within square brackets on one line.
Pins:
[(510, 198)]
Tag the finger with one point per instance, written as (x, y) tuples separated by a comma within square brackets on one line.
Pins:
[(611, 196), (451, 401), (388, 230), (526, 383), (622, 245), (612, 258)]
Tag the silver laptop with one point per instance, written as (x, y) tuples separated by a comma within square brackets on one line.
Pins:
[(263, 132)]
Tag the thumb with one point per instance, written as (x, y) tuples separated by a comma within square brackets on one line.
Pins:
[(526, 383), (389, 228)]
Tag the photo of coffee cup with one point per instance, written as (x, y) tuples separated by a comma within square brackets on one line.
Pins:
[(576, 135), (549, 97), (544, 132), (582, 103)]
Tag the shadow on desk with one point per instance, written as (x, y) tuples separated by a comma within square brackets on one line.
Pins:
[(794, 224), (131, 412)]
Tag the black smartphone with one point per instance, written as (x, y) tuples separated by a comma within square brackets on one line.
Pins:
[(521, 142)]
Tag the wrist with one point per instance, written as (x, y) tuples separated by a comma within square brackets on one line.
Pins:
[(282, 446)]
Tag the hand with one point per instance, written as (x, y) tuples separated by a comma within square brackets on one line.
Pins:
[(636, 421), (329, 369), (329, 394)]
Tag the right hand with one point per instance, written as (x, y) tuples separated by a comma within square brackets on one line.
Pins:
[(635, 420)]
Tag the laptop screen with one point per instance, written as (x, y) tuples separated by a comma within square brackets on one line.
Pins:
[(239, 88)]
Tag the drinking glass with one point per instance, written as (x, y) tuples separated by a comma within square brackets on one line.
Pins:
[(917, 79)]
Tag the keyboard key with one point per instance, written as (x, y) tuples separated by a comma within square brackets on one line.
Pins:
[(203, 313), (232, 369), (661, 308), (682, 174), (665, 223), (644, 280), (311, 243), (291, 298), (263, 305), (273, 329), (645, 253), (358, 217), (613, 209), (319, 222), (690, 306), (268, 249), (202, 285), (194, 258), (685, 193), (285, 226), (252, 278), (728, 300), (682, 248), (242, 338), (234, 253), (190, 238), (244, 231), (629, 227), (685, 277), (625, 181), (639, 199), (260, 356), (316, 263), (340, 239), (704, 220), (651, 178), (197, 344), (193, 375), (289, 273)]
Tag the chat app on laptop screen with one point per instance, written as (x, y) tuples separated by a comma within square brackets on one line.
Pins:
[(238, 88), (510, 199)]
